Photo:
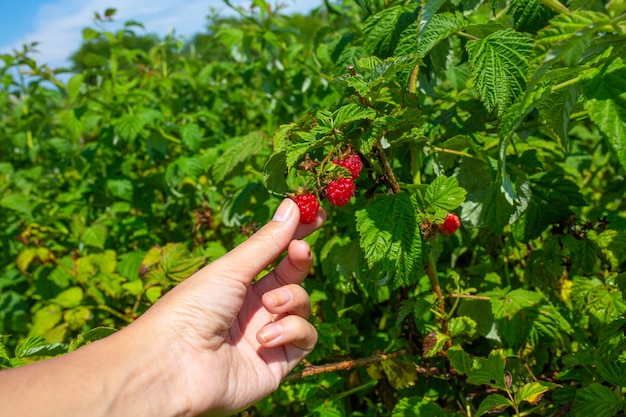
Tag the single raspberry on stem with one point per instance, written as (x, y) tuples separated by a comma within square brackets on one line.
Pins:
[(352, 163), (340, 191), (308, 205), (450, 224)]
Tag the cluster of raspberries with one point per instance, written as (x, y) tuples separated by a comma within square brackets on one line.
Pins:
[(339, 191)]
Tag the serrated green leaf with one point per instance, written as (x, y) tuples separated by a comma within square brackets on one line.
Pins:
[(460, 360), (462, 326), (236, 151), (129, 127), (444, 193), (499, 64), (177, 262), (489, 371), (612, 243), (89, 336), (506, 304), (440, 27), (596, 400), (95, 235), (552, 197), (555, 109), (494, 403), (38, 346), (5, 361), (89, 34), (569, 34), (605, 103), (191, 136), (390, 237), (612, 371), (352, 112)]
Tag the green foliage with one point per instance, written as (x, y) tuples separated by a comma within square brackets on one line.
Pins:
[(154, 156)]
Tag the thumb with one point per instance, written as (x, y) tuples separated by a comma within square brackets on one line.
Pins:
[(263, 247)]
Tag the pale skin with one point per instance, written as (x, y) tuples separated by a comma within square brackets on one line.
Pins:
[(213, 345)]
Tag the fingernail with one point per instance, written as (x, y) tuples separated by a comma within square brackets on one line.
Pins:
[(280, 297), (282, 212), (270, 333)]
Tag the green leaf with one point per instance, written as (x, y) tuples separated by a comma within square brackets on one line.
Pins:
[(612, 371), (74, 85), (462, 326), (489, 371), (16, 202), (5, 361), (499, 64), (89, 34), (417, 407), (129, 127), (121, 188), (552, 197), (71, 297), (390, 237), (95, 235), (505, 304), (460, 360), (569, 34), (275, 173), (596, 400), (555, 109), (606, 95), (444, 193), (89, 336), (236, 151), (532, 392), (440, 27), (192, 136), (494, 403), (38, 346), (352, 112), (177, 262)]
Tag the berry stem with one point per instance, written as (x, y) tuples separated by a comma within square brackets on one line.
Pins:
[(431, 271), (391, 178)]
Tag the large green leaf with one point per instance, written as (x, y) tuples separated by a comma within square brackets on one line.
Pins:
[(444, 193), (390, 237), (499, 64), (606, 104), (596, 400)]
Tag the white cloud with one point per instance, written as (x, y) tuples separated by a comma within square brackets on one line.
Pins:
[(58, 26)]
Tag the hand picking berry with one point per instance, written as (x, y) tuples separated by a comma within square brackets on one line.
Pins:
[(308, 205), (340, 191), (352, 163), (450, 224)]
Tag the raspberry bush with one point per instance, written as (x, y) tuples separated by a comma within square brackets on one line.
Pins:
[(403, 119)]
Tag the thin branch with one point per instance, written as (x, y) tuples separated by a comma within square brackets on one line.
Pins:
[(343, 365), (470, 296), (391, 178)]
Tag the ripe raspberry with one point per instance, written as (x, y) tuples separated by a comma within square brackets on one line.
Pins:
[(450, 224), (308, 205), (340, 191), (352, 163)]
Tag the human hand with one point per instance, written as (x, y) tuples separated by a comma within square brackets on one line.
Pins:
[(230, 342)]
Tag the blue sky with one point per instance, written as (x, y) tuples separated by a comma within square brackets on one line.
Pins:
[(57, 24)]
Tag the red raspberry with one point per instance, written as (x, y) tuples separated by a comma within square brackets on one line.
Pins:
[(352, 163), (340, 191), (308, 205), (450, 224)]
